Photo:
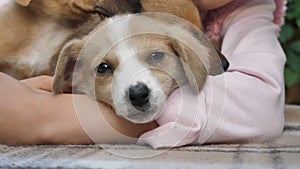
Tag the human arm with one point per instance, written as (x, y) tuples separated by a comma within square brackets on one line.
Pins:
[(31, 116), (252, 108), (210, 4)]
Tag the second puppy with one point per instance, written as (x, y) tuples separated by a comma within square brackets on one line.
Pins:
[(33, 31)]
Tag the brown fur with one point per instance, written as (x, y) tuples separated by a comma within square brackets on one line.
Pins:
[(32, 31), (184, 9), (21, 30)]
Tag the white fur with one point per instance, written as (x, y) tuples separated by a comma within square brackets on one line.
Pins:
[(118, 29), (130, 72)]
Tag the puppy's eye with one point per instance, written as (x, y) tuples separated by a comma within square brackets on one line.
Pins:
[(104, 68), (157, 56)]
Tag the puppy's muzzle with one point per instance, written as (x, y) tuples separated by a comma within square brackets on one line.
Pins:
[(139, 96)]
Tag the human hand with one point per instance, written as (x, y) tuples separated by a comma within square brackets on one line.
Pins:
[(43, 84), (39, 83)]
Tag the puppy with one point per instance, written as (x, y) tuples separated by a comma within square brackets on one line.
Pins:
[(33, 31), (132, 63)]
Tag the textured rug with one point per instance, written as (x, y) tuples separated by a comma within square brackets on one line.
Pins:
[(283, 153)]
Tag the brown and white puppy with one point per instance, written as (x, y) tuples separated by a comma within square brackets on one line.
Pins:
[(133, 62), (33, 31)]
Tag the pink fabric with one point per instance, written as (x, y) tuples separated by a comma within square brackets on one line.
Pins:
[(243, 104), (214, 19), (279, 12)]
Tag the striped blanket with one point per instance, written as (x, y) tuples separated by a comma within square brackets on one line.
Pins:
[(283, 153)]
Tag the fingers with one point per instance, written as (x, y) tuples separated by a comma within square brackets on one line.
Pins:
[(43, 83)]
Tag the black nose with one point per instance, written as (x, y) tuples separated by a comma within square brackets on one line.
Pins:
[(225, 64), (139, 95)]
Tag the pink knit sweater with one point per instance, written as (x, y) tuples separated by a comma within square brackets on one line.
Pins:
[(244, 104)]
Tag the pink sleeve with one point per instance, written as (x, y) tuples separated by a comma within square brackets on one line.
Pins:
[(244, 104)]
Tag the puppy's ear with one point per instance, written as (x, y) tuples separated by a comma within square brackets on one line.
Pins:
[(199, 58), (217, 61), (193, 67), (65, 65), (23, 2)]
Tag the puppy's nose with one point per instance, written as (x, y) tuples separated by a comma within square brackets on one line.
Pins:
[(139, 95)]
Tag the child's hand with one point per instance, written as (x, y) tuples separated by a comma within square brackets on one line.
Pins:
[(44, 84), (40, 83), (210, 4)]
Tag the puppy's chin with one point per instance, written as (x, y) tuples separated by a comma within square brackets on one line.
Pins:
[(144, 114), (140, 117)]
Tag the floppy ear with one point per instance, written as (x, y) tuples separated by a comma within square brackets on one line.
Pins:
[(23, 2), (217, 61), (193, 67), (65, 64), (209, 62)]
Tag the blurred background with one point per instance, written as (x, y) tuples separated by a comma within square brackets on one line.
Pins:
[(290, 40)]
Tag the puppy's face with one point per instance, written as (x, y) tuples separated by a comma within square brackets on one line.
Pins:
[(81, 9), (133, 67), (134, 77)]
